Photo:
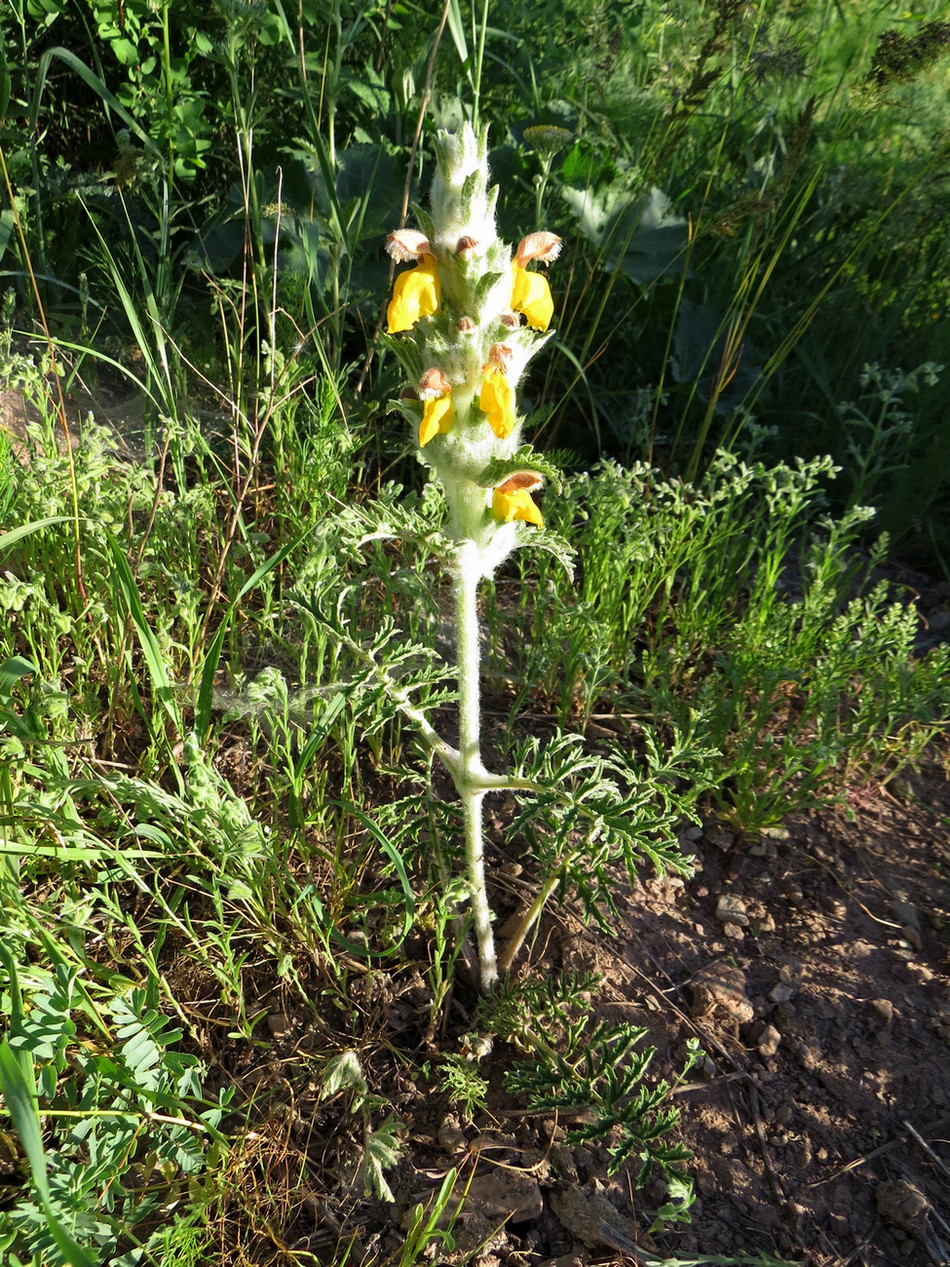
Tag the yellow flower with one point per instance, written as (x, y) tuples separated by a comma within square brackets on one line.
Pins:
[(438, 411), (513, 500), (531, 294), (416, 294), (497, 400)]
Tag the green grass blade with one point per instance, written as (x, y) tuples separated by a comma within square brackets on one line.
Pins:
[(162, 686), (19, 1096), (10, 538), (92, 81)]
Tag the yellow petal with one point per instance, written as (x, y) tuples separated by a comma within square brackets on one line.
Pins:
[(497, 400), (438, 415), (531, 294), (516, 505), (416, 294)]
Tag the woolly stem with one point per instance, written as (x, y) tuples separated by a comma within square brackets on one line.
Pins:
[(469, 780)]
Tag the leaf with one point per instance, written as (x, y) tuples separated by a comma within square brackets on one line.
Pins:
[(551, 542), (344, 1073), (11, 671), (4, 89), (161, 682), (526, 459), (382, 1151), (637, 233), (8, 539), (19, 1094)]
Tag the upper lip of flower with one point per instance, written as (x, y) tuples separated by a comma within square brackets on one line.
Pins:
[(542, 246), (407, 244)]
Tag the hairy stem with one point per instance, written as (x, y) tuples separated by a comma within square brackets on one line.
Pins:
[(468, 780)]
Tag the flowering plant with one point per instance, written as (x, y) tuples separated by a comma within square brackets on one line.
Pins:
[(465, 319)]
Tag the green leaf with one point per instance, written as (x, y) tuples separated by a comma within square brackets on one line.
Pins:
[(527, 535), (382, 1151), (4, 87), (161, 682), (11, 671), (19, 1094), (343, 1073), (8, 539), (526, 459)]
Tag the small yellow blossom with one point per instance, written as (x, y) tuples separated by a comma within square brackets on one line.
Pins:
[(438, 411), (416, 294), (497, 395), (531, 294), (513, 500)]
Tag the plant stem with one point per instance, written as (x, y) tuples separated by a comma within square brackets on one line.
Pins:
[(468, 780)]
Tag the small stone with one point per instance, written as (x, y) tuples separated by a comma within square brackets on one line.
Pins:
[(707, 1184), (883, 1008), (912, 935), (719, 836), (733, 931), (782, 992), (838, 1223), (279, 1024), (769, 1041), (904, 912), (451, 1136), (900, 1203), (719, 990), (731, 910), (505, 1194)]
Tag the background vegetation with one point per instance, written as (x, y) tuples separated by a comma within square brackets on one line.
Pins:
[(209, 797)]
